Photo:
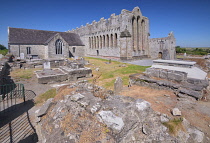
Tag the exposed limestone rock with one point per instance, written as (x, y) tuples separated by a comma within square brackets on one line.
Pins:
[(164, 118), (142, 104), (182, 89), (95, 108), (82, 117), (197, 136), (111, 120), (43, 110), (176, 112), (76, 97)]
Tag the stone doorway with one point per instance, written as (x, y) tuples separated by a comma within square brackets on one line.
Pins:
[(160, 55), (97, 52)]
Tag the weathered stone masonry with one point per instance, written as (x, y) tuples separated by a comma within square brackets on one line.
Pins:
[(44, 44), (125, 36)]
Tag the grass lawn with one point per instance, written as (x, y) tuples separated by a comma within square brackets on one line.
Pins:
[(109, 72), (21, 74), (43, 97)]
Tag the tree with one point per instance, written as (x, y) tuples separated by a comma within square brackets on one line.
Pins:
[(2, 47), (180, 50)]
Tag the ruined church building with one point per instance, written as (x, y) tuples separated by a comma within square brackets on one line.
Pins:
[(124, 36)]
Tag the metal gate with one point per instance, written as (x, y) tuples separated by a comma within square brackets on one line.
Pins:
[(10, 95)]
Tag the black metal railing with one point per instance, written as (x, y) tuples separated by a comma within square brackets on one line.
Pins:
[(10, 95)]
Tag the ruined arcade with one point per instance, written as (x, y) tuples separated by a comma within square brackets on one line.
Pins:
[(125, 36)]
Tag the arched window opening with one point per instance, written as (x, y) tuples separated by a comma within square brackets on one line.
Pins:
[(58, 46), (92, 43), (107, 40), (28, 50), (104, 41), (97, 42), (100, 42), (138, 33), (115, 42), (143, 31), (74, 49), (134, 33), (111, 44), (89, 42)]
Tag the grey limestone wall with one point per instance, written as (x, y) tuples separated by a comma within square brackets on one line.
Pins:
[(52, 48), (163, 48), (104, 35), (35, 50), (167, 74), (77, 51)]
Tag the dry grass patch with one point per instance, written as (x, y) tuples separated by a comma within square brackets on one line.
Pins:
[(21, 74), (109, 72), (62, 91), (154, 96), (200, 62), (89, 128), (174, 126)]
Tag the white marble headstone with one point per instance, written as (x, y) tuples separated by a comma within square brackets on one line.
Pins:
[(46, 65), (22, 56)]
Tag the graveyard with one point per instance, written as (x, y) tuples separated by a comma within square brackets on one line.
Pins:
[(91, 83)]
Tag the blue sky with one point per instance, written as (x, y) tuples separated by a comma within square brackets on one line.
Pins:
[(188, 19)]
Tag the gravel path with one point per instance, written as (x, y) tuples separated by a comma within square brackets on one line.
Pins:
[(145, 62)]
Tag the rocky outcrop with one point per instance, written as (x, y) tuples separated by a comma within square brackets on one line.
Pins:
[(194, 88), (83, 117)]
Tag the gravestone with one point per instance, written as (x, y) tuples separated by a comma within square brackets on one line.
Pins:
[(46, 65), (1, 56), (118, 85), (22, 56)]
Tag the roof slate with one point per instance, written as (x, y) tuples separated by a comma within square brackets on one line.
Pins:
[(40, 37)]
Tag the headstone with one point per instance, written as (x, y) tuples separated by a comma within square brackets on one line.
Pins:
[(118, 85), (46, 65), (185, 54), (22, 56), (1, 56)]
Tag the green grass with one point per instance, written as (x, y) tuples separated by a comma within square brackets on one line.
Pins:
[(43, 97), (109, 72), (174, 126), (131, 69)]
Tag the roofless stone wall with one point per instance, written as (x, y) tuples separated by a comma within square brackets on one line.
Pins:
[(163, 48), (104, 37)]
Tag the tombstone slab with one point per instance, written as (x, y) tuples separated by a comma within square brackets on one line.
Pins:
[(118, 85), (22, 56), (46, 65)]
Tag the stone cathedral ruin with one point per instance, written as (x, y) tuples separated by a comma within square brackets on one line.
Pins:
[(124, 36)]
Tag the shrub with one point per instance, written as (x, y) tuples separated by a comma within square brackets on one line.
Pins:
[(4, 52), (174, 126)]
